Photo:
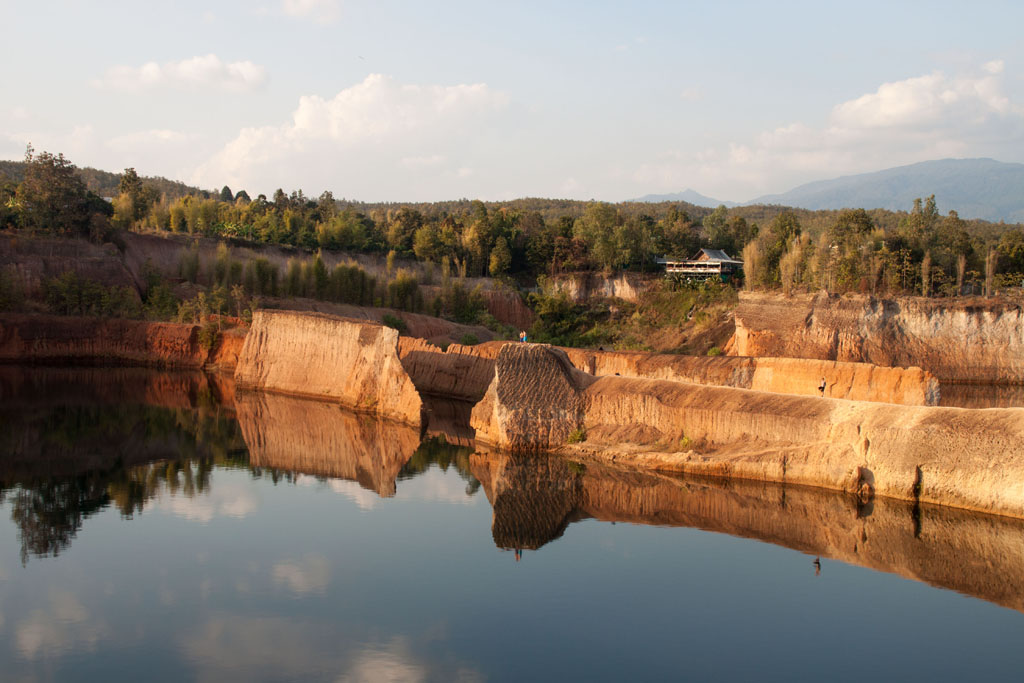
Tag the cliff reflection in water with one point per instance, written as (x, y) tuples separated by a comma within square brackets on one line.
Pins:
[(76, 442), (535, 498), (81, 440)]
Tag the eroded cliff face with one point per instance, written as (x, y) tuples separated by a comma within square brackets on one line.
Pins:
[(28, 338), (534, 400), (584, 286), (855, 381), (324, 357), (966, 458), (535, 498), (323, 440), (958, 341), (459, 372), (112, 341)]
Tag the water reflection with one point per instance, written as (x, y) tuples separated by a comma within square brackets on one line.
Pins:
[(84, 439), (77, 442), (535, 498)]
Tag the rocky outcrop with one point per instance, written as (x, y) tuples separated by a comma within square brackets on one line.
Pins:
[(534, 400), (536, 498), (974, 340), (318, 439), (950, 456), (855, 381), (318, 356)]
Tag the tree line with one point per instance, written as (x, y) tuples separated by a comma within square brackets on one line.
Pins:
[(877, 251)]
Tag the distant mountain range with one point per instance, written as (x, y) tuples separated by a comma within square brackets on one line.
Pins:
[(688, 196), (975, 188)]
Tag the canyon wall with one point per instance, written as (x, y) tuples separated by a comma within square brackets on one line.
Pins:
[(458, 372), (50, 338), (464, 372), (536, 498), (972, 459), (854, 381), (324, 357), (972, 340)]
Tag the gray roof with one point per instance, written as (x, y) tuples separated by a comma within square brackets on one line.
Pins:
[(715, 255)]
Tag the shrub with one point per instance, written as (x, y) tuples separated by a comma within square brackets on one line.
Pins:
[(395, 322), (714, 351), (469, 339), (577, 436), (208, 334)]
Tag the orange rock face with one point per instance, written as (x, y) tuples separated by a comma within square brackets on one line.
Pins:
[(27, 338), (111, 341), (320, 356), (957, 341), (855, 381), (458, 372)]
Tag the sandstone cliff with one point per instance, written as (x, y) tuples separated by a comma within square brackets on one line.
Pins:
[(113, 341), (534, 400), (580, 287), (459, 372), (319, 356), (966, 458), (535, 498), (956, 340), (855, 381)]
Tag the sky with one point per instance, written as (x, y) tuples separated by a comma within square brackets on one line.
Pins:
[(423, 101)]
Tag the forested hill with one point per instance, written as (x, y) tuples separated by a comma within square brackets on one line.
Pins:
[(975, 188), (105, 183)]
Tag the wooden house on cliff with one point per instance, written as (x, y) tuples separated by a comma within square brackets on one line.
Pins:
[(706, 263)]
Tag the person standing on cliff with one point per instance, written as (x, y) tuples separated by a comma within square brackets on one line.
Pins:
[(821, 387), (522, 336)]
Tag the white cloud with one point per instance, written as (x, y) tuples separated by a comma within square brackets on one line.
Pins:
[(310, 574), (207, 71), (916, 119), (320, 11), (377, 134)]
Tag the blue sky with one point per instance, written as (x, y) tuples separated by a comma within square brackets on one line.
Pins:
[(440, 100)]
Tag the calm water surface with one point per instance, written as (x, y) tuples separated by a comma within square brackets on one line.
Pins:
[(158, 527)]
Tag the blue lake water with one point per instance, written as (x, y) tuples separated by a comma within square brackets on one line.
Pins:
[(157, 527)]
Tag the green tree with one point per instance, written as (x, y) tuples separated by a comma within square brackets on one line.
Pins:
[(501, 258), (52, 198)]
